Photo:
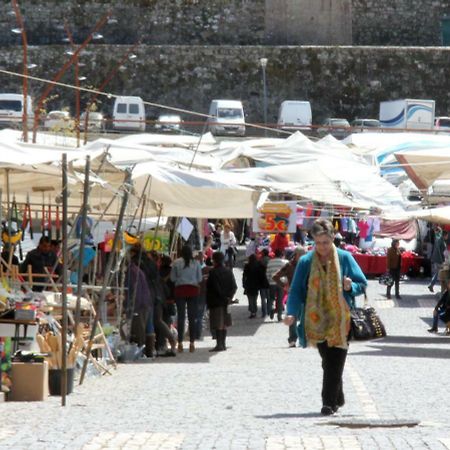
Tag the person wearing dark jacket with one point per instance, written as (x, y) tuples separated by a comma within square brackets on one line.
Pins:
[(251, 282), (394, 264), (220, 289), (442, 311), (42, 260)]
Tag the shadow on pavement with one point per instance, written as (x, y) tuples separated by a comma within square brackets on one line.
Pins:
[(431, 339), (291, 416), (412, 301), (405, 352), (242, 325)]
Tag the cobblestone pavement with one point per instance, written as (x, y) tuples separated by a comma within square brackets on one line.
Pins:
[(259, 394)]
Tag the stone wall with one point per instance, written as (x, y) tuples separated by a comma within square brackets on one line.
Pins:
[(212, 22), (398, 22), (309, 22), (339, 81), (233, 22)]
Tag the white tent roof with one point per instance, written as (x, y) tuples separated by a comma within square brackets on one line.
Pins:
[(183, 193), (426, 167)]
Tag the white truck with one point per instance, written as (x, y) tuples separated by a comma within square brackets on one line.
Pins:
[(295, 114), (408, 114), (226, 117), (11, 110)]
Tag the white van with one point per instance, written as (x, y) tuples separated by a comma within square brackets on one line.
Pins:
[(11, 110), (227, 117), (295, 114), (129, 114)]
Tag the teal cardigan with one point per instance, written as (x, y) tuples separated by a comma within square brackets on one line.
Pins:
[(299, 287)]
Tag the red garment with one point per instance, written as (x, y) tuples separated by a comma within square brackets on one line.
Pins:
[(280, 242), (208, 253), (186, 290), (363, 229)]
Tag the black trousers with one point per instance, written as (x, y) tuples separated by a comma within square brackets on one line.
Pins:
[(333, 362), (395, 274)]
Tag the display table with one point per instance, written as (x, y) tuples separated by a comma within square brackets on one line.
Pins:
[(17, 324), (376, 265)]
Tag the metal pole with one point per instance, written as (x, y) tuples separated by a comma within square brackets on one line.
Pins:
[(64, 281), (107, 273), (21, 25), (102, 86), (77, 84), (63, 70), (265, 98), (84, 208)]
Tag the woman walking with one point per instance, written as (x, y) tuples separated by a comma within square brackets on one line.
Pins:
[(251, 278), (220, 289), (186, 274), (228, 245), (325, 284), (394, 264)]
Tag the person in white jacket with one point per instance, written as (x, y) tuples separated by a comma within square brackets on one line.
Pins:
[(227, 245)]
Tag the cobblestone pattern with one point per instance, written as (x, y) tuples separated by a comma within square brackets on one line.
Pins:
[(260, 394)]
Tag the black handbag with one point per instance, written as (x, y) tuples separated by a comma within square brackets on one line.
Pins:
[(365, 324), (386, 279)]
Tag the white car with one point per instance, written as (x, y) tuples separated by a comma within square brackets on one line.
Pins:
[(96, 121), (168, 122), (59, 120)]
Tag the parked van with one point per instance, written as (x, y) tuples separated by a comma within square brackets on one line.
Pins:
[(11, 110), (227, 117), (129, 114), (295, 114)]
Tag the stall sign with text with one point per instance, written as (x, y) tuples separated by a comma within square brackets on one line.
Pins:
[(275, 217), (160, 244)]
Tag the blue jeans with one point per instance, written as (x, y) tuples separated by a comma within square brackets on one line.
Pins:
[(192, 303), (436, 268), (264, 293), (201, 305)]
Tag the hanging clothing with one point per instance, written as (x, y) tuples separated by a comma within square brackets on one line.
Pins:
[(363, 227)]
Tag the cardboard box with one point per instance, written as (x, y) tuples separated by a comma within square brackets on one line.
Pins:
[(30, 382)]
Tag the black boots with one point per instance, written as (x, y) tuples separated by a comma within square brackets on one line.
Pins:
[(221, 341), (150, 351)]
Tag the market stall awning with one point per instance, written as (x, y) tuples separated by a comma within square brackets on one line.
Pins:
[(193, 194), (434, 215), (426, 167)]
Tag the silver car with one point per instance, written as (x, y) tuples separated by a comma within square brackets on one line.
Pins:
[(339, 128)]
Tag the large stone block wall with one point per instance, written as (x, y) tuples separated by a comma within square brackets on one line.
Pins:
[(212, 22), (233, 22), (398, 22), (309, 22), (339, 81)]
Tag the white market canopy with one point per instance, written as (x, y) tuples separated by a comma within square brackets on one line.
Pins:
[(192, 194), (192, 177), (435, 215), (424, 168)]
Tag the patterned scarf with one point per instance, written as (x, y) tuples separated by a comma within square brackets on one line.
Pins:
[(327, 315)]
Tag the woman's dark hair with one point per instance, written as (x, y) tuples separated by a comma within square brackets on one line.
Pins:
[(252, 259), (186, 254), (394, 241), (218, 258)]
